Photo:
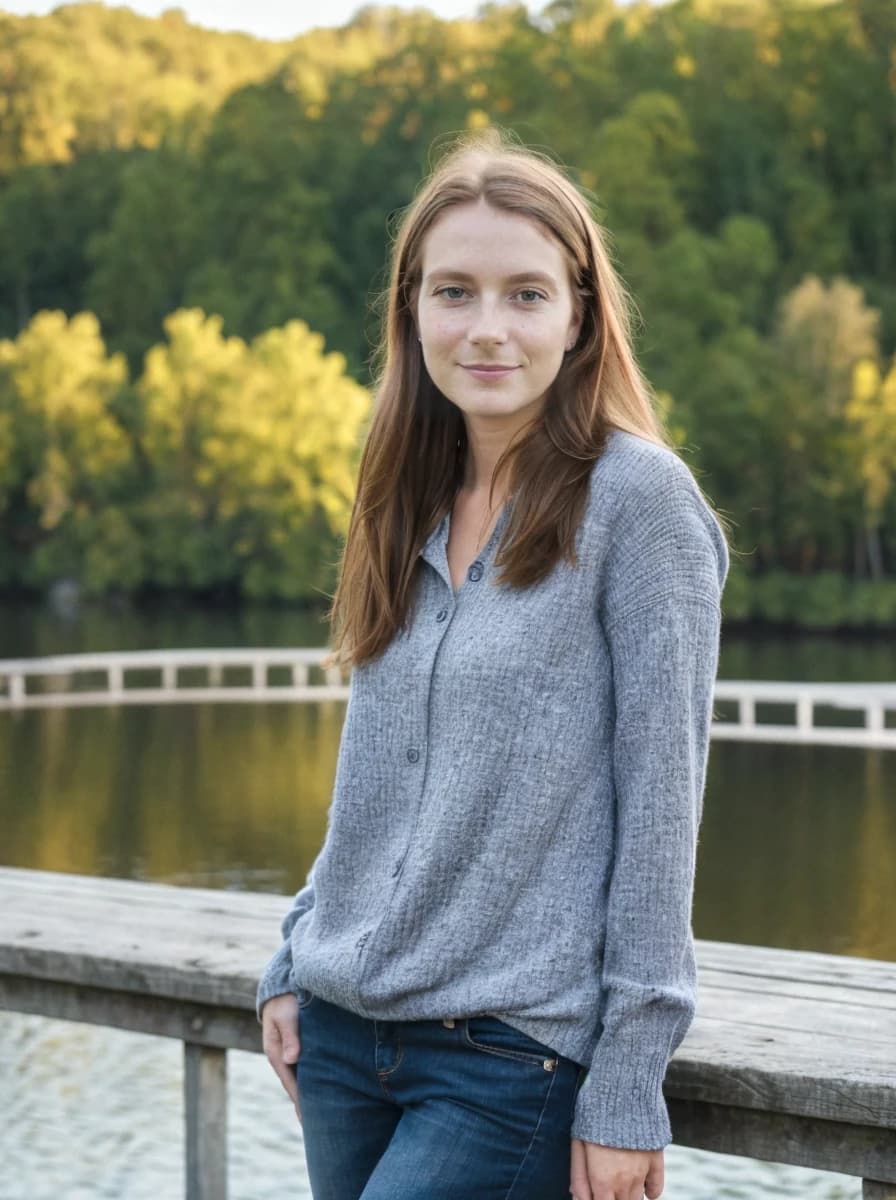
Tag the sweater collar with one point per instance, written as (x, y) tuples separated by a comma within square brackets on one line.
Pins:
[(435, 549)]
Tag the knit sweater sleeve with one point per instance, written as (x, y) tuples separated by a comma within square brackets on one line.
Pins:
[(277, 978), (660, 610)]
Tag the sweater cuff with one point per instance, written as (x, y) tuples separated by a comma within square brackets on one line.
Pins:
[(621, 1102), (276, 979)]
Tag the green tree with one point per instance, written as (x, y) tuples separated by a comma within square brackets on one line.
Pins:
[(252, 455), (141, 260), (824, 331), (67, 465), (48, 214), (821, 333), (872, 412)]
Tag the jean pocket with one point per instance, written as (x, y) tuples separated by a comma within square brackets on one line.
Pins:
[(493, 1036), (305, 998)]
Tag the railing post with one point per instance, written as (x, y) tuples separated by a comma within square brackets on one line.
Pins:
[(205, 1111), (874, 718), (872, 1190), (115, 676), (259, 676)]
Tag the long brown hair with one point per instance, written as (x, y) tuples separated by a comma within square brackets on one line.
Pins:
[(413, 457)]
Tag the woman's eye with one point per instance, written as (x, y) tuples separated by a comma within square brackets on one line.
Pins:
[(529, 295), (451, 293)]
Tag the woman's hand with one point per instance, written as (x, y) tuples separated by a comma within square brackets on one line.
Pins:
[(608, 1173), (280, 1039)]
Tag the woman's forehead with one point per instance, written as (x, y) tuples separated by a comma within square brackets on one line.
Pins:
[(477, 238)]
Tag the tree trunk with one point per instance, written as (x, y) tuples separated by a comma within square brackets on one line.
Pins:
[(875, 556), (859, 557)]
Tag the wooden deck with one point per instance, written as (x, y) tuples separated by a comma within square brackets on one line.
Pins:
[(792, 1056)]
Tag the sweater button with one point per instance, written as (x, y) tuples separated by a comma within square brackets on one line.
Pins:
[(441, 614), (413, 754), (475, 572)]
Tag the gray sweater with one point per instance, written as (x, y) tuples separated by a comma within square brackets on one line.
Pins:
[(518, 791)]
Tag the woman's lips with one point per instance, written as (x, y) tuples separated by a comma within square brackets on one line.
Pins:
[(481, 371)]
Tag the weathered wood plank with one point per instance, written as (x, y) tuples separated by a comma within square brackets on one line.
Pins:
[(728, 1062), (210, 947), (226, 1028), (15, 880), (779, 1137), (782, 1011), (844, 992), (205, 1112), (798, 966)]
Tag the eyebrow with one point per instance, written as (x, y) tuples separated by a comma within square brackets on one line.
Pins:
[(520, 277)]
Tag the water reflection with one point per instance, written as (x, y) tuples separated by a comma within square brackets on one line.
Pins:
[(797, 848), (193, 794)]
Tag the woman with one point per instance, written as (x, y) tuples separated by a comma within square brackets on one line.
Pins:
[(492, 960)]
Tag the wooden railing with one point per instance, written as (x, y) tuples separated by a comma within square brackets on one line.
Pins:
[(791, 1058), (79, 680)]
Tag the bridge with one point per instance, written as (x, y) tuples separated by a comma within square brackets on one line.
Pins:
[(829, 714)]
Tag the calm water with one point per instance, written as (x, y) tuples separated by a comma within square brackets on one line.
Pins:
[(796, 849)]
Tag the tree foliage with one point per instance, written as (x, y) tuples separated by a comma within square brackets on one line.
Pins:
[(227, 466), (741, 155)]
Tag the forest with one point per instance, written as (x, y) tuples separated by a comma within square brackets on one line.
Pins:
[(194, 228)]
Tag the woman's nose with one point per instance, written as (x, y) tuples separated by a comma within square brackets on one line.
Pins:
[(488, 324)]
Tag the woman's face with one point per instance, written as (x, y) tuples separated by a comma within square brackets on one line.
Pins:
[(495, 312)]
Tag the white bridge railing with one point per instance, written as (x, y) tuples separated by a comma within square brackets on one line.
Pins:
[(872, 703), (270, 675), (158, 677)]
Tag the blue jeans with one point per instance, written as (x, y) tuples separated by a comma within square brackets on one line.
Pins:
[(432, 1110)]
